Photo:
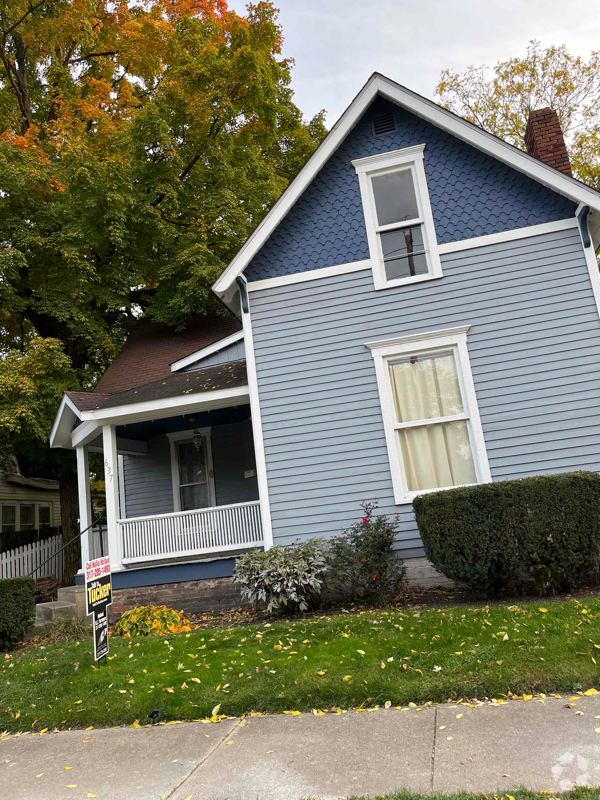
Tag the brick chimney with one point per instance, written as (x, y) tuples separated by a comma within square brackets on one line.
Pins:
[(544, 139)]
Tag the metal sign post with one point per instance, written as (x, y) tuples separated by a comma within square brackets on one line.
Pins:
[(98, 596)]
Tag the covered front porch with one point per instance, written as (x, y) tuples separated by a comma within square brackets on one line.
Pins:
[(180, 471)]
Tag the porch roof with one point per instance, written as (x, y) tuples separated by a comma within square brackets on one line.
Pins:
[(81, 414), (222, 376)]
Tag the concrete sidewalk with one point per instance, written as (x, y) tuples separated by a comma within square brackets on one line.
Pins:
[(444, 748)]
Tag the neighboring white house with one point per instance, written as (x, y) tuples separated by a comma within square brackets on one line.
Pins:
[(27, 504)]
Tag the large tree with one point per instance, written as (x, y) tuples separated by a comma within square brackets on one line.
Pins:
[(140, 143), (500, 100)]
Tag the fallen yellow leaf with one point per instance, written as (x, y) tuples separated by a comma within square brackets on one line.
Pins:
[(347, 678)]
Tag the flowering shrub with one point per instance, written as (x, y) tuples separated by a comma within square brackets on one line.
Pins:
[(151, 621), (362, 560), (285, 578)]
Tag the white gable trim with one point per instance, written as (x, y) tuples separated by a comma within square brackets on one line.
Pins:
[(63, 423), (446, 120), (206, 351)]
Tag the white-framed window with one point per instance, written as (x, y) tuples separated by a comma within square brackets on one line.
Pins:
[(17, 516), (430, 414), (8, 517), (398, 218), (192, 469)]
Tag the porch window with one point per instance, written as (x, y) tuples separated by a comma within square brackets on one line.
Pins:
[(398, 217), (193, 475), (431, 420)]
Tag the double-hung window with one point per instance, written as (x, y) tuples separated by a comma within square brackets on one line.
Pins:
[(398, 217), (432, 426)]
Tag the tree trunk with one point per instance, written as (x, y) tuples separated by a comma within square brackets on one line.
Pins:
[(69, 512)]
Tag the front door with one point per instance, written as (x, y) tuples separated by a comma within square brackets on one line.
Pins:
[(194, 475)]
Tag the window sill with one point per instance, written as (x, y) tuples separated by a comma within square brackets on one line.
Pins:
[(408, 500), (404, 281)]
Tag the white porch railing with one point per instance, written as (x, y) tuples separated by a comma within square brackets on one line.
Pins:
[(191, 533)]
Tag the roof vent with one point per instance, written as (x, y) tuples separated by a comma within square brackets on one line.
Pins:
[(384, 123)]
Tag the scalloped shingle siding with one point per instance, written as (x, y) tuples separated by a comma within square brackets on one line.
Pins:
[(471, 195)]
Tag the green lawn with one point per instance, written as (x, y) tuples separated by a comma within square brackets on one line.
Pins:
[(345, 661)]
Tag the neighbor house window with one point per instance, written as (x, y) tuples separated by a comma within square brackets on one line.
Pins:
[(9, 519), (27, 517), (44, 515), (398, 217), (431, 420)]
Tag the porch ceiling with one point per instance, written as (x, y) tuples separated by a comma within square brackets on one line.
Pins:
[(144, 431)]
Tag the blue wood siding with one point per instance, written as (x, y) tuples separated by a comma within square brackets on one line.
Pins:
[(234, 352), (148, 483), (534, 347), (471, 193), (233, 454), (148, 486)]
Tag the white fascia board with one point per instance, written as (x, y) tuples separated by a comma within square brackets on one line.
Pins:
[(125, 447), (63, 423), (426, 109), (182, 363), (170, 407), (84, 433)]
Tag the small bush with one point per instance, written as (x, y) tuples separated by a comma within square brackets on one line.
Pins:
[(151, 621), (285, 578), (68, 629), (492, 537), (17, 610), (362, 560)]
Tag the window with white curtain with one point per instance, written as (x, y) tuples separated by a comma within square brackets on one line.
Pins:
[(398, 218), (432, 425)]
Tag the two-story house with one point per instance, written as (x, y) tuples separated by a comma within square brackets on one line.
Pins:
[(419, 310)]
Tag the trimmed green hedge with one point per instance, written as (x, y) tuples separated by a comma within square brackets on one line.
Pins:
[(490, 536), (17, 609)]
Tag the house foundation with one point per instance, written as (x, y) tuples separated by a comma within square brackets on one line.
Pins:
[(191, 597)]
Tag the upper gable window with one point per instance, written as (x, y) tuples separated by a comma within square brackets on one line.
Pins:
[(398, 217)]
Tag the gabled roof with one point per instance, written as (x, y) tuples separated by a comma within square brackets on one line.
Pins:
[(152, 347), (428, 110)]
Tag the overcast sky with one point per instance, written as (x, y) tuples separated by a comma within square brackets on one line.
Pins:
[(337, 44)]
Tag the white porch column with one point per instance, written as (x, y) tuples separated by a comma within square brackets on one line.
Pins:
[(85, 500), (111, 478)]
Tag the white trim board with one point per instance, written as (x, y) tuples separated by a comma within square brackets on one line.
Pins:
[(309, 275), (426, 109), (182, 363), (169, 407), (257, 432), (509, 236), (443, 249)]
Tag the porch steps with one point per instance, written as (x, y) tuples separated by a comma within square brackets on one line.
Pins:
[(70, 603)]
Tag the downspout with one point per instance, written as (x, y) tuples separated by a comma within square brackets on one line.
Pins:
[(582, 218), (244, 292)]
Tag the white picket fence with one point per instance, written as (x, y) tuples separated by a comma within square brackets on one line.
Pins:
[(23, 560)]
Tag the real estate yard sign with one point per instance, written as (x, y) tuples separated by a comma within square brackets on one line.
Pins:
[(98, 596)]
